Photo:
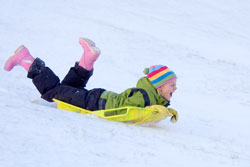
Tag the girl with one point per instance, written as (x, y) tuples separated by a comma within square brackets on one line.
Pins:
[(155, 90)]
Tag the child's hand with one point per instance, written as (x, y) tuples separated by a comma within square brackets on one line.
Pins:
[(173, 114)]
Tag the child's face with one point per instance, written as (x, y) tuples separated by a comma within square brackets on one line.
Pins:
[(167, 90)]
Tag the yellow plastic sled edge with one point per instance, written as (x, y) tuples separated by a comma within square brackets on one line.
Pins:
[(134, 115)]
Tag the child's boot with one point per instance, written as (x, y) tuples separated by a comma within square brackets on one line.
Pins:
[(21, 57), (90, 55)]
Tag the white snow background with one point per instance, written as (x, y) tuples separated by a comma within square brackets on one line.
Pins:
[(206, 43)]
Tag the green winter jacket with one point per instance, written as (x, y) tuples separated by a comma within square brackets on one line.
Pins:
[(144, 94)]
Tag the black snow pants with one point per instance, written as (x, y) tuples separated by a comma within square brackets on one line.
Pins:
[(71, 89)]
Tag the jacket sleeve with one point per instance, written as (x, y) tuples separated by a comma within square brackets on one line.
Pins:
[(137, 97)]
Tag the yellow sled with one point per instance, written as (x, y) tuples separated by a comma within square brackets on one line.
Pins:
[(134, 115)]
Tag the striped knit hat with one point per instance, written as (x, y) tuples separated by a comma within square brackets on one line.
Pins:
[(159, 75)]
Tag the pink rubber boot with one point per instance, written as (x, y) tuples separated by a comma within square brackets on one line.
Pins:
[(21, 57), (90, 55)]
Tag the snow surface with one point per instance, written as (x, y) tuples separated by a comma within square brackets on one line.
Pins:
[(205, 42)]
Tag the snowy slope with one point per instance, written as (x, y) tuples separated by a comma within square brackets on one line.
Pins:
[(205, 42)]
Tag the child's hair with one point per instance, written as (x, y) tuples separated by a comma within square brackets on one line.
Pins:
[(159, 75)]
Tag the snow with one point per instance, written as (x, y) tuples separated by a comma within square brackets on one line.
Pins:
[(205, 42)]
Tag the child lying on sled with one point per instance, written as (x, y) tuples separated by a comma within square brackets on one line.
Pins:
[(153, 91)]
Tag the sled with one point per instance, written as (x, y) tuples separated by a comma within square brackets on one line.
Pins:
[(133, 115)]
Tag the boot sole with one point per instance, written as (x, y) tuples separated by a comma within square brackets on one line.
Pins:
[(90, 47), (18, 50)]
